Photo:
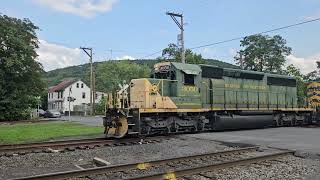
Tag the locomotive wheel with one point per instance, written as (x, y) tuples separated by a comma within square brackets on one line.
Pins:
[(118, 128)]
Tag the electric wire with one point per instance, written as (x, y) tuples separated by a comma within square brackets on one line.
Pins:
[(238, 38)]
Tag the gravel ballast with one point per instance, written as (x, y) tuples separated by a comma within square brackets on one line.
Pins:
[(41, 163), (289, 167)]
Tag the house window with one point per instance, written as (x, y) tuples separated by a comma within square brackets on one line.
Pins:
[(83, 95), (82, 85), (49, 95), (189, 79), (77, 85)]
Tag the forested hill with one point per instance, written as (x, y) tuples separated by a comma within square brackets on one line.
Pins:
[(110, 73)]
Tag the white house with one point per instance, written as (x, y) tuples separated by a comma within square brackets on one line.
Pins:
[(58, 96)]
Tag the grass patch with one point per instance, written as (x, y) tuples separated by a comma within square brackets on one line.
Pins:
[(23, 133)]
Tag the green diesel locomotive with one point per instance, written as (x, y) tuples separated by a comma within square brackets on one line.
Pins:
[(194, 98)]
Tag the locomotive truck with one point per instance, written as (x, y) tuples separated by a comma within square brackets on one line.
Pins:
[(181, 98)]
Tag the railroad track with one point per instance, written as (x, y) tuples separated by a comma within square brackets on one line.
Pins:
[(70, 145), (180, 167)]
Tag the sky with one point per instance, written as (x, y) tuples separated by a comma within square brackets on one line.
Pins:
[(136, 28)]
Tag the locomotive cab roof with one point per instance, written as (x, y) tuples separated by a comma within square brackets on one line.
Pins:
[(165, 69)]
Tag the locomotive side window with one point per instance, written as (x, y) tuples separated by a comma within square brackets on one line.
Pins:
[(188, 79), (163, 72)]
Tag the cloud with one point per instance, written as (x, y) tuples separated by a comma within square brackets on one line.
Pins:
[(53, 56), (84, 8), (306, 65), (208, 52), (125, 57)]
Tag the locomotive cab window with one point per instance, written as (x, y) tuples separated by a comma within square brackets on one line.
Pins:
[(188, 79)]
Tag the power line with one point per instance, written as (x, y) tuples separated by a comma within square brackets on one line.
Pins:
[(263, 32), (238, 38), (154, 53)]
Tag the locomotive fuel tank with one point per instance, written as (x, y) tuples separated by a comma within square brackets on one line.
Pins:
[(243, 122)]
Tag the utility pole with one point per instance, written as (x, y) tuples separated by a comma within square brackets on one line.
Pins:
[(110, 54), (181, 38), (94, 93), (241, 60), (88, 51), (69, 99)]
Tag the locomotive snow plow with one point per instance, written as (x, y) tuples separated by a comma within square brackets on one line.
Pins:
[(115, 121), (117, 127)]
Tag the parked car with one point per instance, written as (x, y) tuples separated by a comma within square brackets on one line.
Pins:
[(52, 114), (41, 112)]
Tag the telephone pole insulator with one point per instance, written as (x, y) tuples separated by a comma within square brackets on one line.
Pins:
[(181, 38)]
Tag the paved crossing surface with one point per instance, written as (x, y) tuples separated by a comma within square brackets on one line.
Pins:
[(87, 120), (306, 140)]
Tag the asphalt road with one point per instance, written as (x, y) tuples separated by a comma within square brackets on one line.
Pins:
[(87, 120), (303, 140)]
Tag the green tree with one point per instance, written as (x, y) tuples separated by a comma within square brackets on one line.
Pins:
[(20, 74), (173, 53), (291, 70), (100, 107), (311, 76), (263, 53), (110, 74)]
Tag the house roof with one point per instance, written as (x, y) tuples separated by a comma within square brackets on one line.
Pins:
[(62, 85)]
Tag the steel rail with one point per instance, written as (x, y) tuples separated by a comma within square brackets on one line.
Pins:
[(73, 143), (15, 147), (126, 167), (6, 146), (207, 168)]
